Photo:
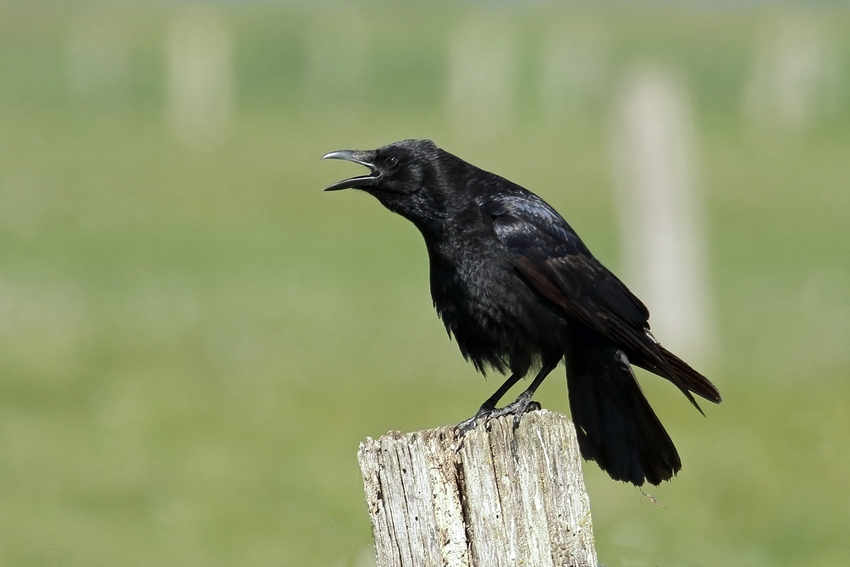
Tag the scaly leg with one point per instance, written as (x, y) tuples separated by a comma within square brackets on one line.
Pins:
[(523, 401), (488, 407)]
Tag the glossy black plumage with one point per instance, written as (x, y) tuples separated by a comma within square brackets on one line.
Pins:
[(517, 289)]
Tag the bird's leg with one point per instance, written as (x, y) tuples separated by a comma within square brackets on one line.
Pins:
[(489, 406), (523, 402)]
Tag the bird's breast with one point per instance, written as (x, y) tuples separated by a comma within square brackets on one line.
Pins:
[(491, 311)]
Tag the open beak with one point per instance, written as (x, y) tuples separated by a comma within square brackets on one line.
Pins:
[(359, 182)]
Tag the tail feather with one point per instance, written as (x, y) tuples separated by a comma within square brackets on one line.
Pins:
[(669, 366), (691, 379), (615, 424)]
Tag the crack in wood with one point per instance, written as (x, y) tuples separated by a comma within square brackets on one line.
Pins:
[(498, 497)]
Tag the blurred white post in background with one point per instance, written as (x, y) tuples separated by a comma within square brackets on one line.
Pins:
[(794, 78), (98, 63), (482, 77), (200, 77), (337, 59), (660, 209), (574, 73)]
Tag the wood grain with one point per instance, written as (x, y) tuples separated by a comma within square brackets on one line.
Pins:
[(497, 497)]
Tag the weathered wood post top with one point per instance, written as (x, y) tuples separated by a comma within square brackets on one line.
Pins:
[(497, 497)]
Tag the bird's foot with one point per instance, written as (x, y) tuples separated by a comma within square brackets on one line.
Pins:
[(521, 405), (467, 425)]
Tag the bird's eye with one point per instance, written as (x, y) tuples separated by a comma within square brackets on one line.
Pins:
[(391, 161)]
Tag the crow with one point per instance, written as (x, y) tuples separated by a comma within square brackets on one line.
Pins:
[(519, 290)]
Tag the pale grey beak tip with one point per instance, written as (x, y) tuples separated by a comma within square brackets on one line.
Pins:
[(339, 154)]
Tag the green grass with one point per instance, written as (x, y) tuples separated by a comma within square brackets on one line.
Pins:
[(192, 343)]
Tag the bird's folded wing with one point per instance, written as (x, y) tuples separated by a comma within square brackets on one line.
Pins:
[(554, 261), (550, 255), (592, 299)]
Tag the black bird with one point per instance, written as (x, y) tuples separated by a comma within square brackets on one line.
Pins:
[(518, 289)]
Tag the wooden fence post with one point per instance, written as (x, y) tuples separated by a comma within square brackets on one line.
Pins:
[(497, 497)]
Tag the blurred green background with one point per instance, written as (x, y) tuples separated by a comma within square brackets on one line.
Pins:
[(194, 338)]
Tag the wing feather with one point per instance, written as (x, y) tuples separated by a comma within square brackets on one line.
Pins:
[(554, 261)]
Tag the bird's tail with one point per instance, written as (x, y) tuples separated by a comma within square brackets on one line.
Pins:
[(685, 376), (615, 425), (667, 365)]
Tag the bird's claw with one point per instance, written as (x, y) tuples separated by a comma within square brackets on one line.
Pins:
[(532, 406), (517, 408), (467, 425)]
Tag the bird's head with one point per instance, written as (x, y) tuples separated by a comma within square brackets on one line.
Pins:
[(403, 176)]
